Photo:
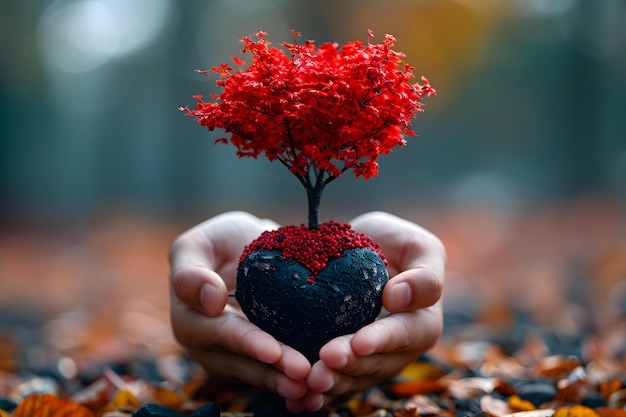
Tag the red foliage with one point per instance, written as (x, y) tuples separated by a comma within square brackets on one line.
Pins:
[(321, 111), (312, 248)]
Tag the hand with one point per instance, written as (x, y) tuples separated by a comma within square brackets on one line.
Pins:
[(413, 324), (219, 337), (215, 331)]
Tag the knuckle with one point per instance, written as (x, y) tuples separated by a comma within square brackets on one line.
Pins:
[(175, 247), (179, 279), (433, 285), (181, 333)]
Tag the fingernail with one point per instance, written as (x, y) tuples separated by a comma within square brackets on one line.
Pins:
[(316, 404), (341, 363), (401, 294), (328, 383), (280, 391), (209, 298), (320, 403)]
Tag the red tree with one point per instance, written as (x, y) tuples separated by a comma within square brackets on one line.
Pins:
[(320, 112)]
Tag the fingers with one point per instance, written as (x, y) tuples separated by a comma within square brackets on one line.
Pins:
[(228, 331), (203, 268), (231, 332), (413, 289), (293, 363), (193, 279), (247, 354), (230, 366), (200, 288), (375, 353), (416, 331), (413, 253), (360, 373), (217, 243), (204, 259), (326, 384), (413, 333), (232, 348), (405, 244)]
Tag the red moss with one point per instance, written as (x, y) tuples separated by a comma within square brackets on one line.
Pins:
[(312, 248)]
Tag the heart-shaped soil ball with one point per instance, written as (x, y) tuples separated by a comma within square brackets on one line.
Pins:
[(306, 286)]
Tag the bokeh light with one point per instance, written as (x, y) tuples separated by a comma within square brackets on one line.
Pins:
[(79, 36), (520, 162)]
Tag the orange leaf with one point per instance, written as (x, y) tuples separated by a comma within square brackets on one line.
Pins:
[(168, 398), (72, 409), (575, 411), (610, 412), (421, 370), (557, 365), (36, 404), (409, 388), (49, 405), (517, 404), (409, 412), (607, 388), (124, 400)]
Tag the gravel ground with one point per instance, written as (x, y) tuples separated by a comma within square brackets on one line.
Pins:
[(535, 306)]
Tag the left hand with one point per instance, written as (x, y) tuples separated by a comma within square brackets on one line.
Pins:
[(413, 322)]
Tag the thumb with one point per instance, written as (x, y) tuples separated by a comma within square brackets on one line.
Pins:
[(412, 289), (200, 288)]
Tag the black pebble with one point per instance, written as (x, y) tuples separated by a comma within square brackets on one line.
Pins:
[(467, 407), (209, 410), (7, 405), (537, 392), (156, 410), (594, 400)]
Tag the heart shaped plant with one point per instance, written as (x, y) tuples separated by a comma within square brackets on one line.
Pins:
[(320, 111)]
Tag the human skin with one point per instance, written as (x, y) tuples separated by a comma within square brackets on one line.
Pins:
[(211, 326)]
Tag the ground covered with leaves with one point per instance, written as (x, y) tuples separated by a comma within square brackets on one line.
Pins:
[(535, 310)]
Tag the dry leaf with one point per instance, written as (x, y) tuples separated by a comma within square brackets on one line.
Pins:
[(545, 412), (37, 405), (495, 407), (518, 404), (407, 412), (408, 388), (618, 399), (575, 411), (610, 412)]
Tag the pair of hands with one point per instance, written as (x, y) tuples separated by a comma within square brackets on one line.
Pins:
[(215, 332)]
